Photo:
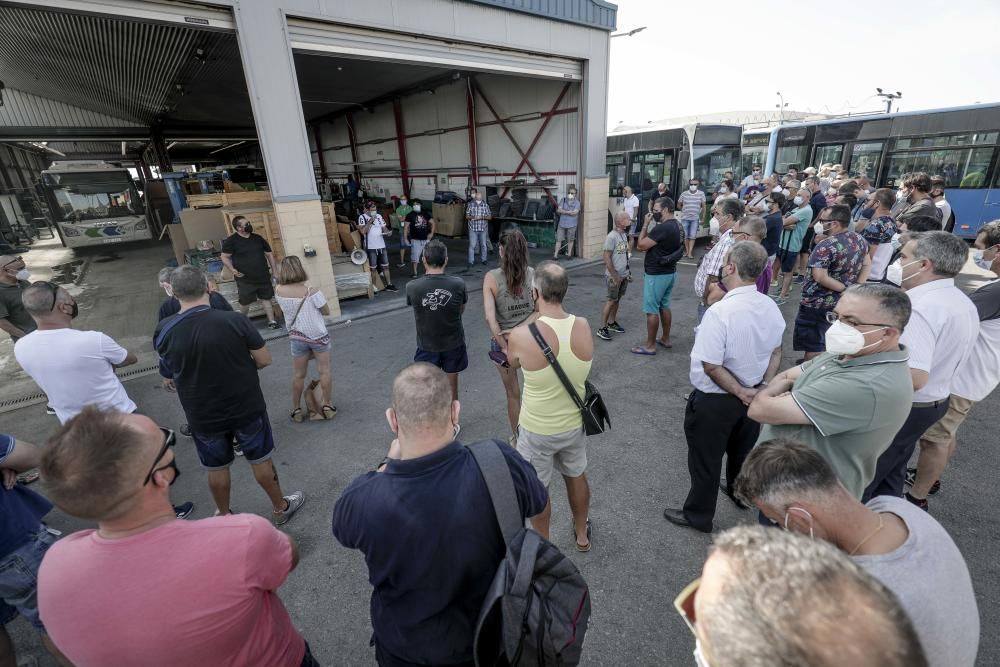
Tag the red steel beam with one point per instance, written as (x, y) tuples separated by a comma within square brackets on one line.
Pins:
[(513, 141), (397, 112), (538, 135), (470, 106), (319, 151), (353, 138)]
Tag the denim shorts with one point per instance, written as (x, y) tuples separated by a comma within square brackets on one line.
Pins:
[(19, 579), (215, 450), (303, 347), (690, 228), (450, 361)]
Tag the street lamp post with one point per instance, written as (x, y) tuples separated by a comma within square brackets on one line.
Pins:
[(630, 32), (888, 97), (781, 107)]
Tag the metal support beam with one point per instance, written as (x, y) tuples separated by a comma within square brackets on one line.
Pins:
[(353, 138), (524, 158), (160, 154), (470, 106), (538, 135), (397, 112), (319, 151)]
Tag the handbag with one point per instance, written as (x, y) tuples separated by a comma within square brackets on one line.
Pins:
[(592, 409)]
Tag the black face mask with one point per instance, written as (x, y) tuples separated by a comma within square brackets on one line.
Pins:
[(76, 310), (658, 216)]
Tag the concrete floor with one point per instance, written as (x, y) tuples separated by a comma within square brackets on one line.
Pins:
[(639, 562)]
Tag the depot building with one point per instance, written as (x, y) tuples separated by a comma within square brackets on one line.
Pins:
[(154, 123)]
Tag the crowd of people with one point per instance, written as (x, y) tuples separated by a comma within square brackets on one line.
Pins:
[(845, 566)]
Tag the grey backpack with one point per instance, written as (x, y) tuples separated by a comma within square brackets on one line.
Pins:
[(536, 611)]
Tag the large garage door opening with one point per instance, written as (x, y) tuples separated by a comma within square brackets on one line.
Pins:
[(397, 116)]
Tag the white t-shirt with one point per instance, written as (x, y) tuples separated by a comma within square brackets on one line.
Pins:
[(980, 374), (74, 369), (630, 205), (309, 322), (375, 238), (945, 211)]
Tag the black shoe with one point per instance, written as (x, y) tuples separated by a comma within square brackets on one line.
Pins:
[(911, 477), (237, 450), (185, 430), (273, 325), (392, 288), (677, 518), (49, 410), (604, 333), (729, 494), (919, 502), (184, 511), (617, 328)]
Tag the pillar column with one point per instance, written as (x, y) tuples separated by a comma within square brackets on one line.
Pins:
[(284, 142), (593, 149)]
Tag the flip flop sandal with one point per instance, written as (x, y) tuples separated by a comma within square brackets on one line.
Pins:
[(664, 345), (28, 477), (643, 351), (582, 548), (329, 412), (296, 415)]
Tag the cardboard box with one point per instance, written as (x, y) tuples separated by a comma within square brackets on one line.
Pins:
[(449, 219), (179, 242), (205, 224)]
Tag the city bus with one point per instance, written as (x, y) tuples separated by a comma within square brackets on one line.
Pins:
[(672, 155), (94, 203), (960, 144)]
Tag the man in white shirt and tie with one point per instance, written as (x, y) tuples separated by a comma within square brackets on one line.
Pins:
[(737, 347)]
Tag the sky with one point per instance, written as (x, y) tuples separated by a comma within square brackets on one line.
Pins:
[(824, 57)]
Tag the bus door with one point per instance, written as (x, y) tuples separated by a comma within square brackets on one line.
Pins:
[(864, 158), (832, 153), (991, 208), (647, 170)]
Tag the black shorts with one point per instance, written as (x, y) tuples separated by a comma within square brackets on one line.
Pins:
[(450, 361), (807, 241), (249, 291), (788, 260), (810, 330)]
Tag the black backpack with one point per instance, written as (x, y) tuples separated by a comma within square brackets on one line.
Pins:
[(537, 608)]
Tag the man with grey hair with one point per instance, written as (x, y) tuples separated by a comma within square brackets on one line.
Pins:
[(617, 274), (728, 212), (737, 349), (848, 402), (428, 492), (213, 357), (550, 434), (894, 541), (14, 275), (939, 338), (770, 597)]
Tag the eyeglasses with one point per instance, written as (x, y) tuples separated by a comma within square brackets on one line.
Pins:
[(13, 261), (833, 316), (169, 440), (54, 289), (684, 603)]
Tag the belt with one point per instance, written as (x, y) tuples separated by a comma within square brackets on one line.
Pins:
[(930, 404)]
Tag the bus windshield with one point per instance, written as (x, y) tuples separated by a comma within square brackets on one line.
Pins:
[(82, 196), (712, 162)]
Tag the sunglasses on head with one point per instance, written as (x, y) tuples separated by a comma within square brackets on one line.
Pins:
[(684, 603), (53, 287), (13, 261)]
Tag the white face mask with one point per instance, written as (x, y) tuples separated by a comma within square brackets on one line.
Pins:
[(713, 226), (478, 196), (818, 229), (894, 274), (23, 274), (699, 655), (416, 207), (844, 339), (978, 257), (693, 188), (797, 200), (402, 202), (786, 192), (723, 191), (571, 196)]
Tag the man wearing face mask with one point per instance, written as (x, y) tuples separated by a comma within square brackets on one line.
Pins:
[(691, 203), (737, 349), (728, 212), (418, 230), (975, 380), (839, 261), (918, 199), (796, 225), (372, 226), (878, 228), (937, 196), (848, 402), (751, 179), (403, 210), (940, 338), (775, 225), (662, 239), (14, 319), (569, 212), (248, 255), (218, 575), (896, 543), (477, 213)]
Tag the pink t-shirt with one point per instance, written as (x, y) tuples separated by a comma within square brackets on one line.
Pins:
[(184, 593)]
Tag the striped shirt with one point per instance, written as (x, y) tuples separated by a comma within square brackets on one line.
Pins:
[(691, 204), (477, 209)]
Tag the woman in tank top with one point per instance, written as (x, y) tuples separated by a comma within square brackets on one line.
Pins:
[(507, 302)]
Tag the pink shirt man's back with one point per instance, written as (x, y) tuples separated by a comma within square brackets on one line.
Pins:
[(184, 593)]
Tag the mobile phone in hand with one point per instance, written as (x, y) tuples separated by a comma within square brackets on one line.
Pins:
[(499, 358)]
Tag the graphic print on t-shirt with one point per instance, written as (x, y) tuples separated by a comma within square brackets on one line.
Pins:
[(439, 298)]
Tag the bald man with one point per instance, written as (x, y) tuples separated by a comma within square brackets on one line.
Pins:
[(14, 319), (616, 273)]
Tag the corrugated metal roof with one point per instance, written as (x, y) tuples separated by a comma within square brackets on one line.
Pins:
[(21, 109), (134, 70), (592, 13)]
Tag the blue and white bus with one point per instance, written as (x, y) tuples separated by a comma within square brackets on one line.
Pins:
[(960, 144)]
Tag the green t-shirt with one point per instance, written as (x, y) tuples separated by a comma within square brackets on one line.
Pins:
[(11, 308), (856, 408), (794, 238)]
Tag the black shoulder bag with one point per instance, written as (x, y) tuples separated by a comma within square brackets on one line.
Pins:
[(592, 409)]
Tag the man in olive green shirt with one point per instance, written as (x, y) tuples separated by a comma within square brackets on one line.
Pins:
[(849, 402), (14, 319)]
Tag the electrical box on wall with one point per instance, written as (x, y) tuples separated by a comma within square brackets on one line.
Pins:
[(442, 181)]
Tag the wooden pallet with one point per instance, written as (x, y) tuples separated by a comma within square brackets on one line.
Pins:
[(256, 198), (264, 222)]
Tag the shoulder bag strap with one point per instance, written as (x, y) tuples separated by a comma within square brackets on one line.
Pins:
[(175, 321), (298, 310), (547, 351), (496, 473)]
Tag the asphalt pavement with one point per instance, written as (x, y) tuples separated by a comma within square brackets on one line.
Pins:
[(639, 562)]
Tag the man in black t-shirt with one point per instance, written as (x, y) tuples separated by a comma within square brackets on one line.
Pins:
[(418, 230), (438, 301), (214, 357), (249, 257), (662, 239)]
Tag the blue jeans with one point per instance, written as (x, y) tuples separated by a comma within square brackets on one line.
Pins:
[(480, 238), (19, 578)]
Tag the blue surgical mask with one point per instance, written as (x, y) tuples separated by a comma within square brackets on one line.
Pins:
[(867, 213), (979, 258)]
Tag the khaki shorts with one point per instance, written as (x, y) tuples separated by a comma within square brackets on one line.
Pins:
[(564, 452), (945, 429), (616, 292)]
